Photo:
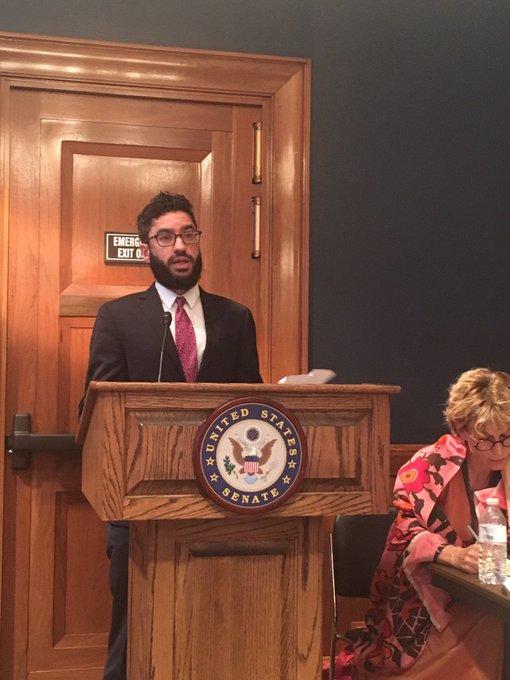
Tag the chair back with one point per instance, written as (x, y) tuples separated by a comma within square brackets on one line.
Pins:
[(357, 545)]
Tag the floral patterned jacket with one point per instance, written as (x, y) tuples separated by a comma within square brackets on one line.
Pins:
[(405, 604)]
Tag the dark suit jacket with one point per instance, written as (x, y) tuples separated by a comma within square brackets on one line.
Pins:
[(127, 337)]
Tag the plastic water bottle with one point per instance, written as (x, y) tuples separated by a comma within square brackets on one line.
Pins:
[(492, 534)]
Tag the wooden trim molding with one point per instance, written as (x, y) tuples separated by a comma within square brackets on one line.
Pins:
[(4, 168), (93, 61)]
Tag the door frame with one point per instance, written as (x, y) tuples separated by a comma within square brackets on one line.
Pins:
[(280, 84)]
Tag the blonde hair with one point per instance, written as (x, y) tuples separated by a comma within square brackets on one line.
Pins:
[(478, 398)]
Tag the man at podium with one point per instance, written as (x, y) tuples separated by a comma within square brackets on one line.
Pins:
[(211, 339)]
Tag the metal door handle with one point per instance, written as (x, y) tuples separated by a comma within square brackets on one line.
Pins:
[(255, 253), (22, 441)]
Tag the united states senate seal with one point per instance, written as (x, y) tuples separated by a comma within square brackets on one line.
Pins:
[(249, 455)]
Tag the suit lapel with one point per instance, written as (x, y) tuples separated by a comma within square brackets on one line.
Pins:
[(150, 303), (213, 324)]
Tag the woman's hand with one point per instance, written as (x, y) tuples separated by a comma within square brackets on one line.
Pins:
[(465, 559)]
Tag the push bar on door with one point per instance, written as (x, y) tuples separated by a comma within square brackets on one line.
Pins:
[(22, 441)]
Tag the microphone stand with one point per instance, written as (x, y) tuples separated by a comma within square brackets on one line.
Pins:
[(167, 320)]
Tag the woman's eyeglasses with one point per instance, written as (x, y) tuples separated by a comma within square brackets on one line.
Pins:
[(488, 444)]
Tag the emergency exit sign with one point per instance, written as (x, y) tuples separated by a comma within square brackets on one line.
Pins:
[(120, 247)]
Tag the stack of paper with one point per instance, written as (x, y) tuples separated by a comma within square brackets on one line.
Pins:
[(317, 376)]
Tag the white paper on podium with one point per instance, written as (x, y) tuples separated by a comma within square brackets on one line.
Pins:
[(317, 376)]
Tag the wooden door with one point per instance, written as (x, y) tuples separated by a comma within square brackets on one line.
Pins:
[(81, 161)]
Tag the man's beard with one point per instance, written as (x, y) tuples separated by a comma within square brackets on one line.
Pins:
[(172, 281)]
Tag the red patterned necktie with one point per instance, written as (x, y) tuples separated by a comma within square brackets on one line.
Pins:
[(185, 341)]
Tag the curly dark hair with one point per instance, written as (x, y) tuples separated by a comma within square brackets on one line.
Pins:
[(159, 205)]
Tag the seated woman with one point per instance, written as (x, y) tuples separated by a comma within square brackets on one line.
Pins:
[(414, 629)]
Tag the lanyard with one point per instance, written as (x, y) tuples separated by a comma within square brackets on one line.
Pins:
[(494, 479), (470, 496)]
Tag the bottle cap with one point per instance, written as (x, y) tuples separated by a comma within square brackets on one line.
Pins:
[(492, 501)]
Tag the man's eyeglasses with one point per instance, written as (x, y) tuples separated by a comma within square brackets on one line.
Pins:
[(168, 238), (488, 444)]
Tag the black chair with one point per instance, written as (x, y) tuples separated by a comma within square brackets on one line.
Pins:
[(357, 543)]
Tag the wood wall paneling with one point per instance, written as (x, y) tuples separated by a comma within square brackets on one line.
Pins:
[(87, 130)]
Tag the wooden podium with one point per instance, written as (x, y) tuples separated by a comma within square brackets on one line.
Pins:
[(215, 595)]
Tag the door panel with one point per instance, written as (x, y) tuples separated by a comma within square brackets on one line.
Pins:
[(75, 334), (69, 601), (90, 177)]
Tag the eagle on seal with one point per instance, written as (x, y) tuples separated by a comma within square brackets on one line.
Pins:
[(252, 460)]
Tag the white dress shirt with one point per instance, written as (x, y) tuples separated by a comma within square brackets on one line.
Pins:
[(193, 308)]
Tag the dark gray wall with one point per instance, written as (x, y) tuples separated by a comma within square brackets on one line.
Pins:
[(410, 237), (411, 197)]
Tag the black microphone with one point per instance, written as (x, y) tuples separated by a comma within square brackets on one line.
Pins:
[(167, 320)]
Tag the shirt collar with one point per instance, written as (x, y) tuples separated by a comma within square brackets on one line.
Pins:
[(168, 296)]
